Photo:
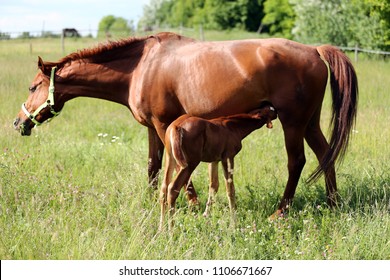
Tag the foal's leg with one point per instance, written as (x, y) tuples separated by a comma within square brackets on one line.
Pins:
[(317, 142), (228, 169), (168, 172), (293, 137), (213, 187), (156, 150), (174, 188), (192, 197)]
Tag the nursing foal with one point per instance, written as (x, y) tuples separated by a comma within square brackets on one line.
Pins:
[(190, 140)]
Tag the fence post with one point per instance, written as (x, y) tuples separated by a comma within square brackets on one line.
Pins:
[(63, 42), (201, 32), (356, 53)]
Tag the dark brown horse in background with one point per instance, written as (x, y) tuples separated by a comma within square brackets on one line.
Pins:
[(162, 77)]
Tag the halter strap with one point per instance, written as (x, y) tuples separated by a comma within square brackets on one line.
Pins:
[(49, 102)]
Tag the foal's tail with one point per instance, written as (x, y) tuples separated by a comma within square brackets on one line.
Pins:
[(176, 139), (344, 88)]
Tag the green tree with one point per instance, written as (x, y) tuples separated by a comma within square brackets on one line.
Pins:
[(155, 14), (279, 18), (338, 22), (182, 12), (212, 14), (114, 26), (381, 9), (244, 14), (254, 14), (105, 23)]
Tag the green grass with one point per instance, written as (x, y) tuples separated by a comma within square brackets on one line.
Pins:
[(77, 188)]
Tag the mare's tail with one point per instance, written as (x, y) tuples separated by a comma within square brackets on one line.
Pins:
[(344, 88)]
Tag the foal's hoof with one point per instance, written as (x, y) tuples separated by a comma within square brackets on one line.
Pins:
[(194, 204), (277, 215)]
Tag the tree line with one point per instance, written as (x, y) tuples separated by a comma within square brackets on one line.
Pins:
[(363, 23)]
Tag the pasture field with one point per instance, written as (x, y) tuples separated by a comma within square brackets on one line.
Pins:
[(77, 187)]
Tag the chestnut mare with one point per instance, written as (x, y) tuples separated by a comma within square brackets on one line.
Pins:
[(162, 77)]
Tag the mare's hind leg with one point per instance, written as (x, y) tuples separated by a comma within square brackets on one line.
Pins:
[(293, 137), (213, 187), (317, 142)]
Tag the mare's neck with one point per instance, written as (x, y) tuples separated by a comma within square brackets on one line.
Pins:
[(93, 80)]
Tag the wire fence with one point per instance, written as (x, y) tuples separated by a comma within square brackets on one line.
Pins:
[(42, 34), (192, 32), (356, 51)]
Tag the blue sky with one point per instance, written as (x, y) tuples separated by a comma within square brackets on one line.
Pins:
[(54, 15)]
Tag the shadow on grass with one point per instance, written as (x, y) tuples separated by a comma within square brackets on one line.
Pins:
[(372, 191), (355, 195)]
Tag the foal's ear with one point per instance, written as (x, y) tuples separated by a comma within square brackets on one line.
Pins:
[(257, 115), (44, 68)]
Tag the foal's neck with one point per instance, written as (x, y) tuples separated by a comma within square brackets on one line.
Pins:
[(243, 125)]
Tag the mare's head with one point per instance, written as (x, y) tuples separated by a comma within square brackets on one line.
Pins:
[(40, 105)]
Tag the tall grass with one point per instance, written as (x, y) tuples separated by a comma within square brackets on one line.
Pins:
[(77, 188)]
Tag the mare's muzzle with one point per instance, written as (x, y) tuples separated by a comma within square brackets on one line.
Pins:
[(24, 128)]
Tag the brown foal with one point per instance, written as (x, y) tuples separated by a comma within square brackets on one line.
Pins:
[(190, 140)]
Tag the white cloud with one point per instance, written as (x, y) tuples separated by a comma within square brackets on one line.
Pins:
[(51, 15)]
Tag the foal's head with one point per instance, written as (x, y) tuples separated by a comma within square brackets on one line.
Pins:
[(265, 113)]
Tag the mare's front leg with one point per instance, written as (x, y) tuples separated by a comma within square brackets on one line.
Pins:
[(228, 169), (213, 187), (156, 150)]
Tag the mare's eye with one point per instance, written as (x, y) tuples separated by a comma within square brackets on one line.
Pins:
[(32, 89)]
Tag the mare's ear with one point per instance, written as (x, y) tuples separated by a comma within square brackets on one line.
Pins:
[(44, 68), (41, 65)]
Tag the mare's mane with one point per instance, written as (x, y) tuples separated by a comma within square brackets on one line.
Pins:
[(109, 51), (115, 50)]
